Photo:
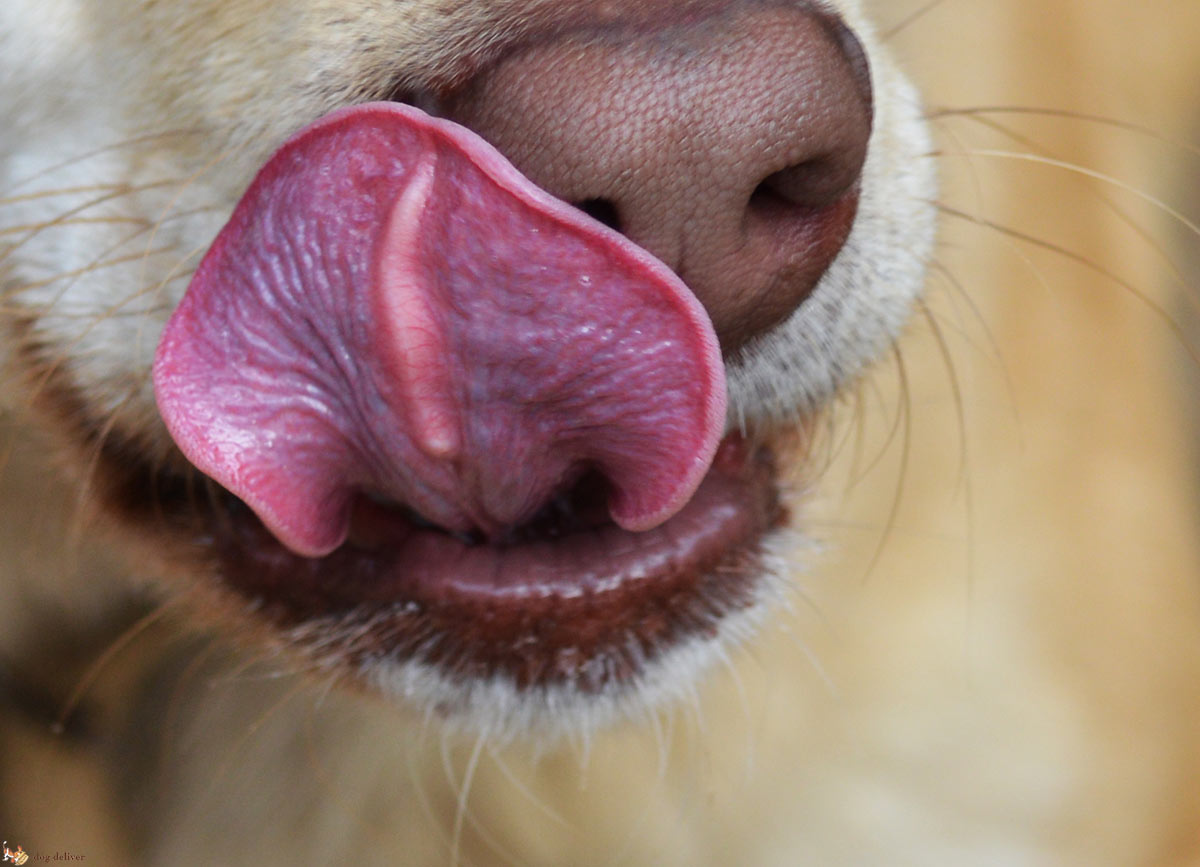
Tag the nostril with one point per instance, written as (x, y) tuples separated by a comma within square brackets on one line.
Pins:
[(814, 183), (602, 210)]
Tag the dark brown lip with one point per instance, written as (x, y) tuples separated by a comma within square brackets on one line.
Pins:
[(347, 612), (592, 608)]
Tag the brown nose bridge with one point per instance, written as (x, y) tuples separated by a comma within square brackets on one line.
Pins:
[(729, 145)]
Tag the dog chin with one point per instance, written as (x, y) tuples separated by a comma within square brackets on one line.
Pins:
[(501, 709)]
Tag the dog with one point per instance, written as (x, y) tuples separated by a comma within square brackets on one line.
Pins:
[(282, 282)]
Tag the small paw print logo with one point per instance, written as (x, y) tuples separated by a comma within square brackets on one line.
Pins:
[(18, 857)]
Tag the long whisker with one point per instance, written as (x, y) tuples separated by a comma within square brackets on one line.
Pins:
[(115, 220), (221, 772), (93, 672), (184, 186), (990, 348), (833, 439), (895, 430), (61, 191), (964, 474), (1067, 114), (464, 793), (113, 195), (993, 344), (87, 155), (540, 804), (956, 388), (904, 412), (96, 318), (1073, 256), (1137, 228), (47, 374), (75, 273), (1075, 168), (463, 816), (420, 790), (87, 481), (919, 13), (170, 727)]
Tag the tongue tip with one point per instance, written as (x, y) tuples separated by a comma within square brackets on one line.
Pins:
[(314, 530), (311, 533), (631, 510)]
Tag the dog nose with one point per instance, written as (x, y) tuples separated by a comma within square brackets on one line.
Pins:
[(729, 145)]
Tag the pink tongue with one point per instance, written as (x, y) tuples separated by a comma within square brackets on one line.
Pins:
[(393, 309)]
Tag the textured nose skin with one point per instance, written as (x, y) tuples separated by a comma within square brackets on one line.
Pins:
[(730, 146)]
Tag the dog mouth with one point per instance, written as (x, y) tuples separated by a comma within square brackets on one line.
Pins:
[(461, 424), (567, 600)]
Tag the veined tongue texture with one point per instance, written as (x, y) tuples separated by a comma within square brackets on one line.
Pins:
[(394, 309)]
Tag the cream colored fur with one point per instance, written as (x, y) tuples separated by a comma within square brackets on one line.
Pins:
[(993, 657)]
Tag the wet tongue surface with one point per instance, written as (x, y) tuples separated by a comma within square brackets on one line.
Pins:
[(394, 310)]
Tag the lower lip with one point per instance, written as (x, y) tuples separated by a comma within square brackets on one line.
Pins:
[(520, 609)]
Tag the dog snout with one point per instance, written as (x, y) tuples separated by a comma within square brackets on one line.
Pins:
[(729, 145)]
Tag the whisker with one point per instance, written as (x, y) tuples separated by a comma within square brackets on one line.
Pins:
[(451, 779), (976, 180), (98, 262), (113, 195), (1124, 216), (893, 431), (88, 679), (513, 780), (420, 789), (956, 388), (833, 439), (76, 221), (904, 411), (735, 676), (91, 467), (61, 191), (990, 347), (964, 475), (65, 350), (859, 433), (87, 155), (171, 727), (89, 268), (97, 318), (460, 812), (1034, 111), (253, 727), (914, 16), (996, 354), (184, 186), (463, 816), (809, 655), (1073, 256), (1075, 168)]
